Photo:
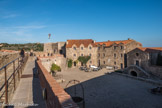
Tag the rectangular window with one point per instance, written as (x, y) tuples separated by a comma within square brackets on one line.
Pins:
[(121, 55), (137, 62), (121, 47), (114, 55), (104, 54)]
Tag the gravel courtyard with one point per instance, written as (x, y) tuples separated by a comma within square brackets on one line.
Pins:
[(111, 90)]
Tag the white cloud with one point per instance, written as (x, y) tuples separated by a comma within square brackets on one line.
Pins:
[(10, 16), (19, 33), (30, 27)]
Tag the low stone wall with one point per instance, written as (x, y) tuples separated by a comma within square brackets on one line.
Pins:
[(7, 57), (56, 96), (156, 70), (48, 61)]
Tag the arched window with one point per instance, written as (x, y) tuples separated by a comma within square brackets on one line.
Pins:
[(74, 48), (81, 48)]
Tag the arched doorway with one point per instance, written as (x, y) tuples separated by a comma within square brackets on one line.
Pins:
[(133, 73)]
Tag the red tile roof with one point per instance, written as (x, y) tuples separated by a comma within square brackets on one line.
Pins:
[(85, 42), (151, 49), (109, 43)]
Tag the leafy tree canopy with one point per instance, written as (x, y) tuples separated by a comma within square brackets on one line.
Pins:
[(84, 59)]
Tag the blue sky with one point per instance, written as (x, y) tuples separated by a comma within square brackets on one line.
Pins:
[(23, 21)]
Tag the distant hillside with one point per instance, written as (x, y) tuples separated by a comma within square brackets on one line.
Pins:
[(26, 47)]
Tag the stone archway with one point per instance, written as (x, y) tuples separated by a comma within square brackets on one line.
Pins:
[(133, 73)]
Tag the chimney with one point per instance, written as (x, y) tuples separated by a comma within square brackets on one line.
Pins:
[(94, 41), (108, 40), (129, 38)]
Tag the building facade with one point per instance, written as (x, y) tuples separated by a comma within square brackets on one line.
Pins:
[(109, 53), (55, 48), (76, 48), (114, 53), (146, 59)]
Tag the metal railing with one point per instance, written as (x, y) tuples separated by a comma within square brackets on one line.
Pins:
[(11, 78)]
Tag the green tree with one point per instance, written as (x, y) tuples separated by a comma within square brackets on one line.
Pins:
[(159, 60), (84, 59), (70, 62), (55, 68)]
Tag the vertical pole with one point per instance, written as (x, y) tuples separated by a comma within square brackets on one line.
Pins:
[(14, 74), (6, 86), (18, 69)]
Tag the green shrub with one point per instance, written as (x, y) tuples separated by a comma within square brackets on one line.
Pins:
[(55, 68), (70, 62)]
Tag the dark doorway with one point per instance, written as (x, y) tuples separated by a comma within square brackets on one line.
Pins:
[(74, 63), (81, 64), (133, 73), (60, 51), (98, 62), (121, 65), (125, 60)]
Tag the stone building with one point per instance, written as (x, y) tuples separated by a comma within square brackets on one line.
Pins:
[(55, 48), (146, 59), (85, 47), (114, 53), (109, 53)]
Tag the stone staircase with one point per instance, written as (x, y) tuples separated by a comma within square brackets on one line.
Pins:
[(141, 72)]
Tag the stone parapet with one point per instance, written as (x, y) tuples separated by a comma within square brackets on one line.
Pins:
[(56, 96)]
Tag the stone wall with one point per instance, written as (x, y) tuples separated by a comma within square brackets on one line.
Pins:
[(156, 70), (138, 55), (55, 48), (114, 55), (56, 96), (6, 57), (145, 61), (48, 61), (106, 56), (48, 48), (62, 48), (86, 51)]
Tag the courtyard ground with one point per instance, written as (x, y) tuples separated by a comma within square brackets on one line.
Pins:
[(111, 90)]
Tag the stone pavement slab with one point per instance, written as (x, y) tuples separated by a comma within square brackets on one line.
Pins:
[(28, 93)]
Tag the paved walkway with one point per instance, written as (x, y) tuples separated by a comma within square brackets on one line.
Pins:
[(28, 93)]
